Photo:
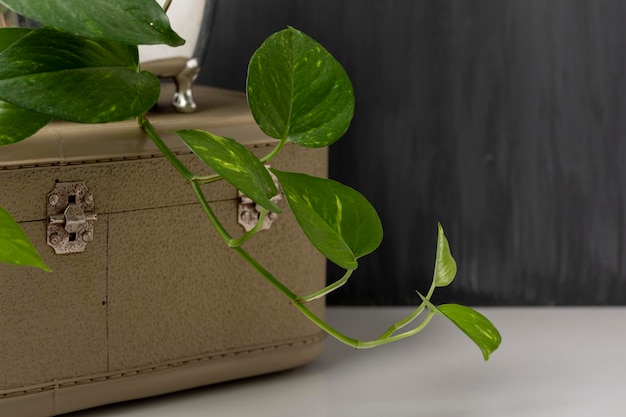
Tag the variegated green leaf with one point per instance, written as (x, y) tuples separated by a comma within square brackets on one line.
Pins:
[(133, 22), (235, 163), (445, 265), (297, 91), (75, 78), (17, 124), (337, 219), (15, 248), (476, 326)]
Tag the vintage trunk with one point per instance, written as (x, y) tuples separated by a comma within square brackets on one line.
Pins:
[(156, 302)]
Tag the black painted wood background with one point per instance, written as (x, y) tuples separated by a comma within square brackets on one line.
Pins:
[(504, 120)]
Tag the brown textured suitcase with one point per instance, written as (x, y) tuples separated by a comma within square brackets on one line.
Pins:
[(155, 302)]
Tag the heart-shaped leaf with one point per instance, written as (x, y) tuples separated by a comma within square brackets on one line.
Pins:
[(134, 22), (235, 163), (15, 248), (445, 265), (476, 326), (75, 78), (337, 219), (298, 91)]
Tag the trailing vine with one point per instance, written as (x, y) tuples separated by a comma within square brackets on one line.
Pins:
[(82, 66)]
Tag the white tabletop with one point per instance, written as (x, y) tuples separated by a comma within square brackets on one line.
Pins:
[(553, 362)]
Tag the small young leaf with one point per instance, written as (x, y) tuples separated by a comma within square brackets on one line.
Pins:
[(134, 22), (298, 91), (15, 248), (17, 124), (337, 219), (75, 78), (476, 326), (445, 265), (235, 163)]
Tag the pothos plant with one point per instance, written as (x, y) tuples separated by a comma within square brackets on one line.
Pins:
[(82, 66)]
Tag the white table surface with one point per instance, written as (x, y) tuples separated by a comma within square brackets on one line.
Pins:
[(554, 361)]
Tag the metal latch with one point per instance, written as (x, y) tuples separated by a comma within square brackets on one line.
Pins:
[(70, 217), (249, 211)]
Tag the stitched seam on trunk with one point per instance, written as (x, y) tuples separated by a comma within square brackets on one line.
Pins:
[(54, 385), (106, 160)]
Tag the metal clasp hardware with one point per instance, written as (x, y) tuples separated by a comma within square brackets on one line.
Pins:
[(249, 211), (71, 215)]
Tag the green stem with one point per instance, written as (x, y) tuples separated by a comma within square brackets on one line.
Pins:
[(325, 291), (359, 344), (266, 274), (409, 333), (293, 297), (282, 288), (210, 214), (234, 243), (408, 319), (221, 230), (352, 342), (171, 157), (187, 174), (404, 322), (274, 152), (206, 179), (431, 290)]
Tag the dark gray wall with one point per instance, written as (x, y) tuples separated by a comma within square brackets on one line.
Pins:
[(504, 120)]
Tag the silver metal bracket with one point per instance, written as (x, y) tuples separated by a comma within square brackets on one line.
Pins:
[(184, 72), (70, 209), (249, 211)]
